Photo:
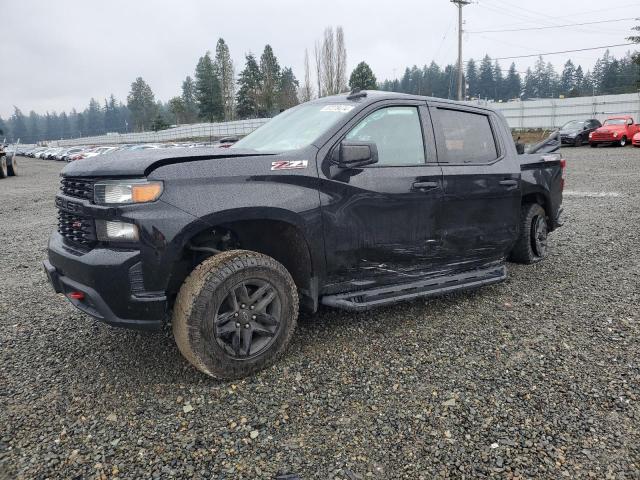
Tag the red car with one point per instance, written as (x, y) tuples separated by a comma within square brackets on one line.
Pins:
[(615, 131), (636, 140)]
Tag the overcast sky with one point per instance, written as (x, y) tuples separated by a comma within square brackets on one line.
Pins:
[(58, 54)]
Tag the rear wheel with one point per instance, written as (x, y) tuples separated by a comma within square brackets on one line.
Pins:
[(12, 166), (3, 167), (531, 246), (235, 314)]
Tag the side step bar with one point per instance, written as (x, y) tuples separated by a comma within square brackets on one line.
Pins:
[(376, 297)]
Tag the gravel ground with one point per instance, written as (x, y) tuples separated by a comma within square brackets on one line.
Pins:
[(534, 377)]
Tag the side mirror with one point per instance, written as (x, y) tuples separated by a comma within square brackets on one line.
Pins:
[(356, 154), (630, 122)]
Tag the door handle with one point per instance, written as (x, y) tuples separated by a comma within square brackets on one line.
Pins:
[(425, 185), (509, 183)]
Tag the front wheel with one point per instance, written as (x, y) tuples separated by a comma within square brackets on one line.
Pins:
[(531, 246), (235, 314), (12, 166), (593, 145), (623, 142), (578, 141)]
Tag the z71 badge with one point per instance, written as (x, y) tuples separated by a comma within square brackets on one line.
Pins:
[(290, 165)]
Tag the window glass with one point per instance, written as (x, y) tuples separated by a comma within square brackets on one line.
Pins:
[(397, 134), (467, 137)]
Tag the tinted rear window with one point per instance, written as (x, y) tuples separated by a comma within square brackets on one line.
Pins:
[(467, 136)]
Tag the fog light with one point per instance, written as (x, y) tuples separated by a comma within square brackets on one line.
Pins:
[(109, 231)]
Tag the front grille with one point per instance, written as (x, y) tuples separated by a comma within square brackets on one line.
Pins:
[(602, 136), (76, 229), (77, 187)]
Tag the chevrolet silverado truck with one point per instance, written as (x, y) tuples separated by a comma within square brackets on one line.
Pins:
[(351, 201), (616, 131)]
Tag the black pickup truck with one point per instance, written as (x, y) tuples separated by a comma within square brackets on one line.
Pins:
[(351, 201)]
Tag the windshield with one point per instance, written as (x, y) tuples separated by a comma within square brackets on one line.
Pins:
[(295, 128), (615, 121), (573, 125)]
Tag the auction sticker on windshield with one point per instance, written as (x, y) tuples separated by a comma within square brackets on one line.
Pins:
[(337, 108), (289, 165)]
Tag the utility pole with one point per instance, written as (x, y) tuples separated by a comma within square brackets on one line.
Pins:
[(460, 4)]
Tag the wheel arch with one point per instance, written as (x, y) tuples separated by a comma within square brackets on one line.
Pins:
[(275, 232)]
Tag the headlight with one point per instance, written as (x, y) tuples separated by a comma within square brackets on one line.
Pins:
[(126, 191), (590, 134), (109, 231)]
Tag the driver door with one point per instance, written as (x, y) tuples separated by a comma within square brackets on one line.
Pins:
[(380, 221)]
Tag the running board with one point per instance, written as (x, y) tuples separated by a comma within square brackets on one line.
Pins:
[(376, 297)]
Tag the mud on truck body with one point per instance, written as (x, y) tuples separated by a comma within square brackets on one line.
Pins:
[(351, 201)]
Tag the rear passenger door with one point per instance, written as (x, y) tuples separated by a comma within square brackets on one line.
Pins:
[(481, 181)]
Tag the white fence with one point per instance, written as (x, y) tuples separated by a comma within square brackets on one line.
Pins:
[(210, 131), (551, 113), (546, 113)]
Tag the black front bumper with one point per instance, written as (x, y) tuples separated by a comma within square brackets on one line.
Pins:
[(110, 282)]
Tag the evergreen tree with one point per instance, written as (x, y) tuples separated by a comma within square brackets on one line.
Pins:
[(141, 103), (288, 90), (512, 84), (177, 107), (486, 84), (94, 119), (363, 78), (50, 133), (529, 87), (472, 79), (34, 127), (4, 130), (588, 86), (159, 123), (19, 127), (568, 78), (189, 100), (223, 66), (578, 81), (65, 130), (248, 97), (111, 123), (270, 76), (498, 82), (208, 91), (80, 125)]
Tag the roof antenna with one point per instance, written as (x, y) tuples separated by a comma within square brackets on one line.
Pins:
[(356, 93)]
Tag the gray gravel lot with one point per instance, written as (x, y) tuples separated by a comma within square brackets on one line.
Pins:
[(535, 377)]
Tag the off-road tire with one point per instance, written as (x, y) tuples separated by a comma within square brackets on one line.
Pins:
[(12, 166), (3, 167), (198, 302), (578, 141), (524, 250)]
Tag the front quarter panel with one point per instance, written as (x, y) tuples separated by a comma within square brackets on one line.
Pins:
[(232, 189)]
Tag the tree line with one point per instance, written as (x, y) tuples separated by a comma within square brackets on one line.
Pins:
[(263, 88), (487, 80)]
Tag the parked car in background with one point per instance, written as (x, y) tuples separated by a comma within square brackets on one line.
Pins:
[(636, 140), (576, 132), (617, 131)]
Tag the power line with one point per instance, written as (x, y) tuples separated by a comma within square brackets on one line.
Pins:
[(551, 26), (565, 51)]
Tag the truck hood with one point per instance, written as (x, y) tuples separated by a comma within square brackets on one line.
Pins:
[(612, 128), (138, 163)]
